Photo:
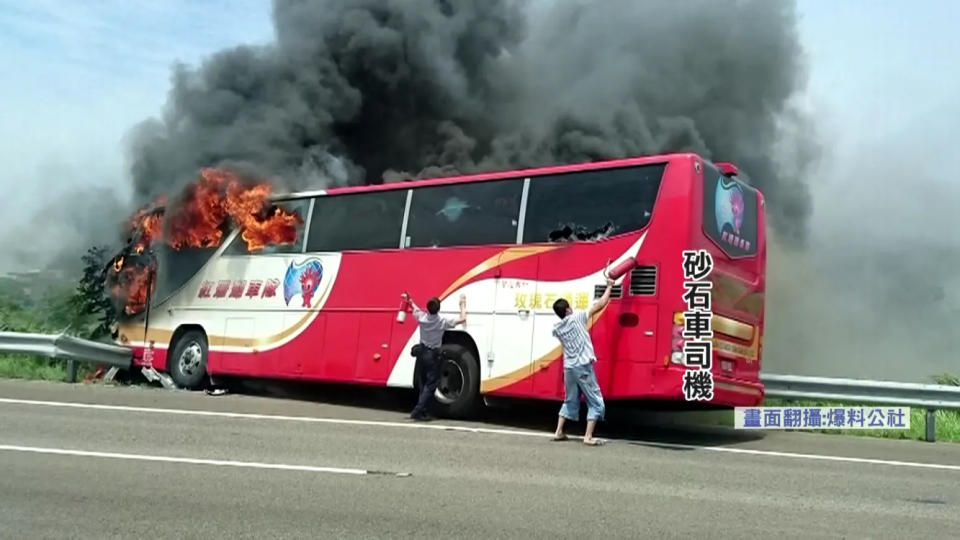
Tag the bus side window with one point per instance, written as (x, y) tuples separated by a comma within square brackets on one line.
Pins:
[(591, 205), (300, 207), (357, 221), (477, 213)]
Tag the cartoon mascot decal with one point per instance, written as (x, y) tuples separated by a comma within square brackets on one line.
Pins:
[(302, 279), (729, 206)]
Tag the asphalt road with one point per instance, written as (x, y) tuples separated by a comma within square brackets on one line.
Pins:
[(81, 461)]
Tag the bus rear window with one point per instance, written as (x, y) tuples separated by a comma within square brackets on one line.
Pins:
[(729, 213), (590, 205)]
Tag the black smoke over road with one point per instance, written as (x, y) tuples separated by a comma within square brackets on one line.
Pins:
[(366, 91), (876, 294)]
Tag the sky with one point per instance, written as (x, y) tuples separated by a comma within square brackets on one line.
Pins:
[(78, 75), (880, 62), (883, 84)]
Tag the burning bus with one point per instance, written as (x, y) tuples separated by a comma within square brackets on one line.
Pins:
[(237, 281)]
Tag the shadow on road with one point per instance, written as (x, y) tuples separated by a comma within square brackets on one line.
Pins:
[(642, 424)]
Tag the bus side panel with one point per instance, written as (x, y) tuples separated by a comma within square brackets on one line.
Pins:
[(247, 361), (373, 351), (340, 337), (370, 290), (640, 324), (513, 318), (296, 357), (258, 319), (572, 271)]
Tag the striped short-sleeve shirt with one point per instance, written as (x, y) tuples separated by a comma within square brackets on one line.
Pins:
[(575, 339)]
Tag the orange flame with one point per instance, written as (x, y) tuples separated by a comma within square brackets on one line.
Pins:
[(137, 280), (220, 194), (198, 221), (278, 229), (146, 225), (129, 285), (150, 225), (249, 209)]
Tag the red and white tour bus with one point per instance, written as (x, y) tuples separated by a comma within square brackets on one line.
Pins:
[(325, 308)]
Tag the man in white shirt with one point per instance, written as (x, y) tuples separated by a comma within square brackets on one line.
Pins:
[(432, 327), (578, 372)]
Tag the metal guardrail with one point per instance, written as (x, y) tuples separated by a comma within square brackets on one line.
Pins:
[(931, 397), (69, 348), (36, 344)]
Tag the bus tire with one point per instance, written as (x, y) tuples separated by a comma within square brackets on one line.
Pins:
[(458, 389), (187, 365)]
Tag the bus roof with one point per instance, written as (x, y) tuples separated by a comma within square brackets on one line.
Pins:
[(498, 175)]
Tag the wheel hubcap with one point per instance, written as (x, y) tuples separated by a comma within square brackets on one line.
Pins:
[(190, 358), (450, 385)]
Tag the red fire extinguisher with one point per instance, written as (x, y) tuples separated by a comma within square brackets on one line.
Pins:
[(619, 270), (404, 307)]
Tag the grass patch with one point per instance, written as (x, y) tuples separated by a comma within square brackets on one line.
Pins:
[(31, 367), (947, 379), (17, 366)]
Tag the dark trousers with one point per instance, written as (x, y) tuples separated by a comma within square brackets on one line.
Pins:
[(429, 370)]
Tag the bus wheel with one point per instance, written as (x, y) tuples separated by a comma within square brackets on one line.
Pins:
[(188, 363), (459, 384)]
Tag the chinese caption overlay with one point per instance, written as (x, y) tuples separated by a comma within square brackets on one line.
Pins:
[(879, 417), (697, 330)]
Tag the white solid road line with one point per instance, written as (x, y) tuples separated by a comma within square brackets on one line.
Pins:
[(821, 457), (195, 461), (251, 416), (441, 427)]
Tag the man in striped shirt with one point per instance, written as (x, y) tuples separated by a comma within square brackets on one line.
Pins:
[(578, 359)]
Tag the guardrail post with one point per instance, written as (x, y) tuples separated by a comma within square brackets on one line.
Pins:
[(71, 371), (931, 425)]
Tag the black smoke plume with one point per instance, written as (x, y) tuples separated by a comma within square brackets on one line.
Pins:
[(367, 91)]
